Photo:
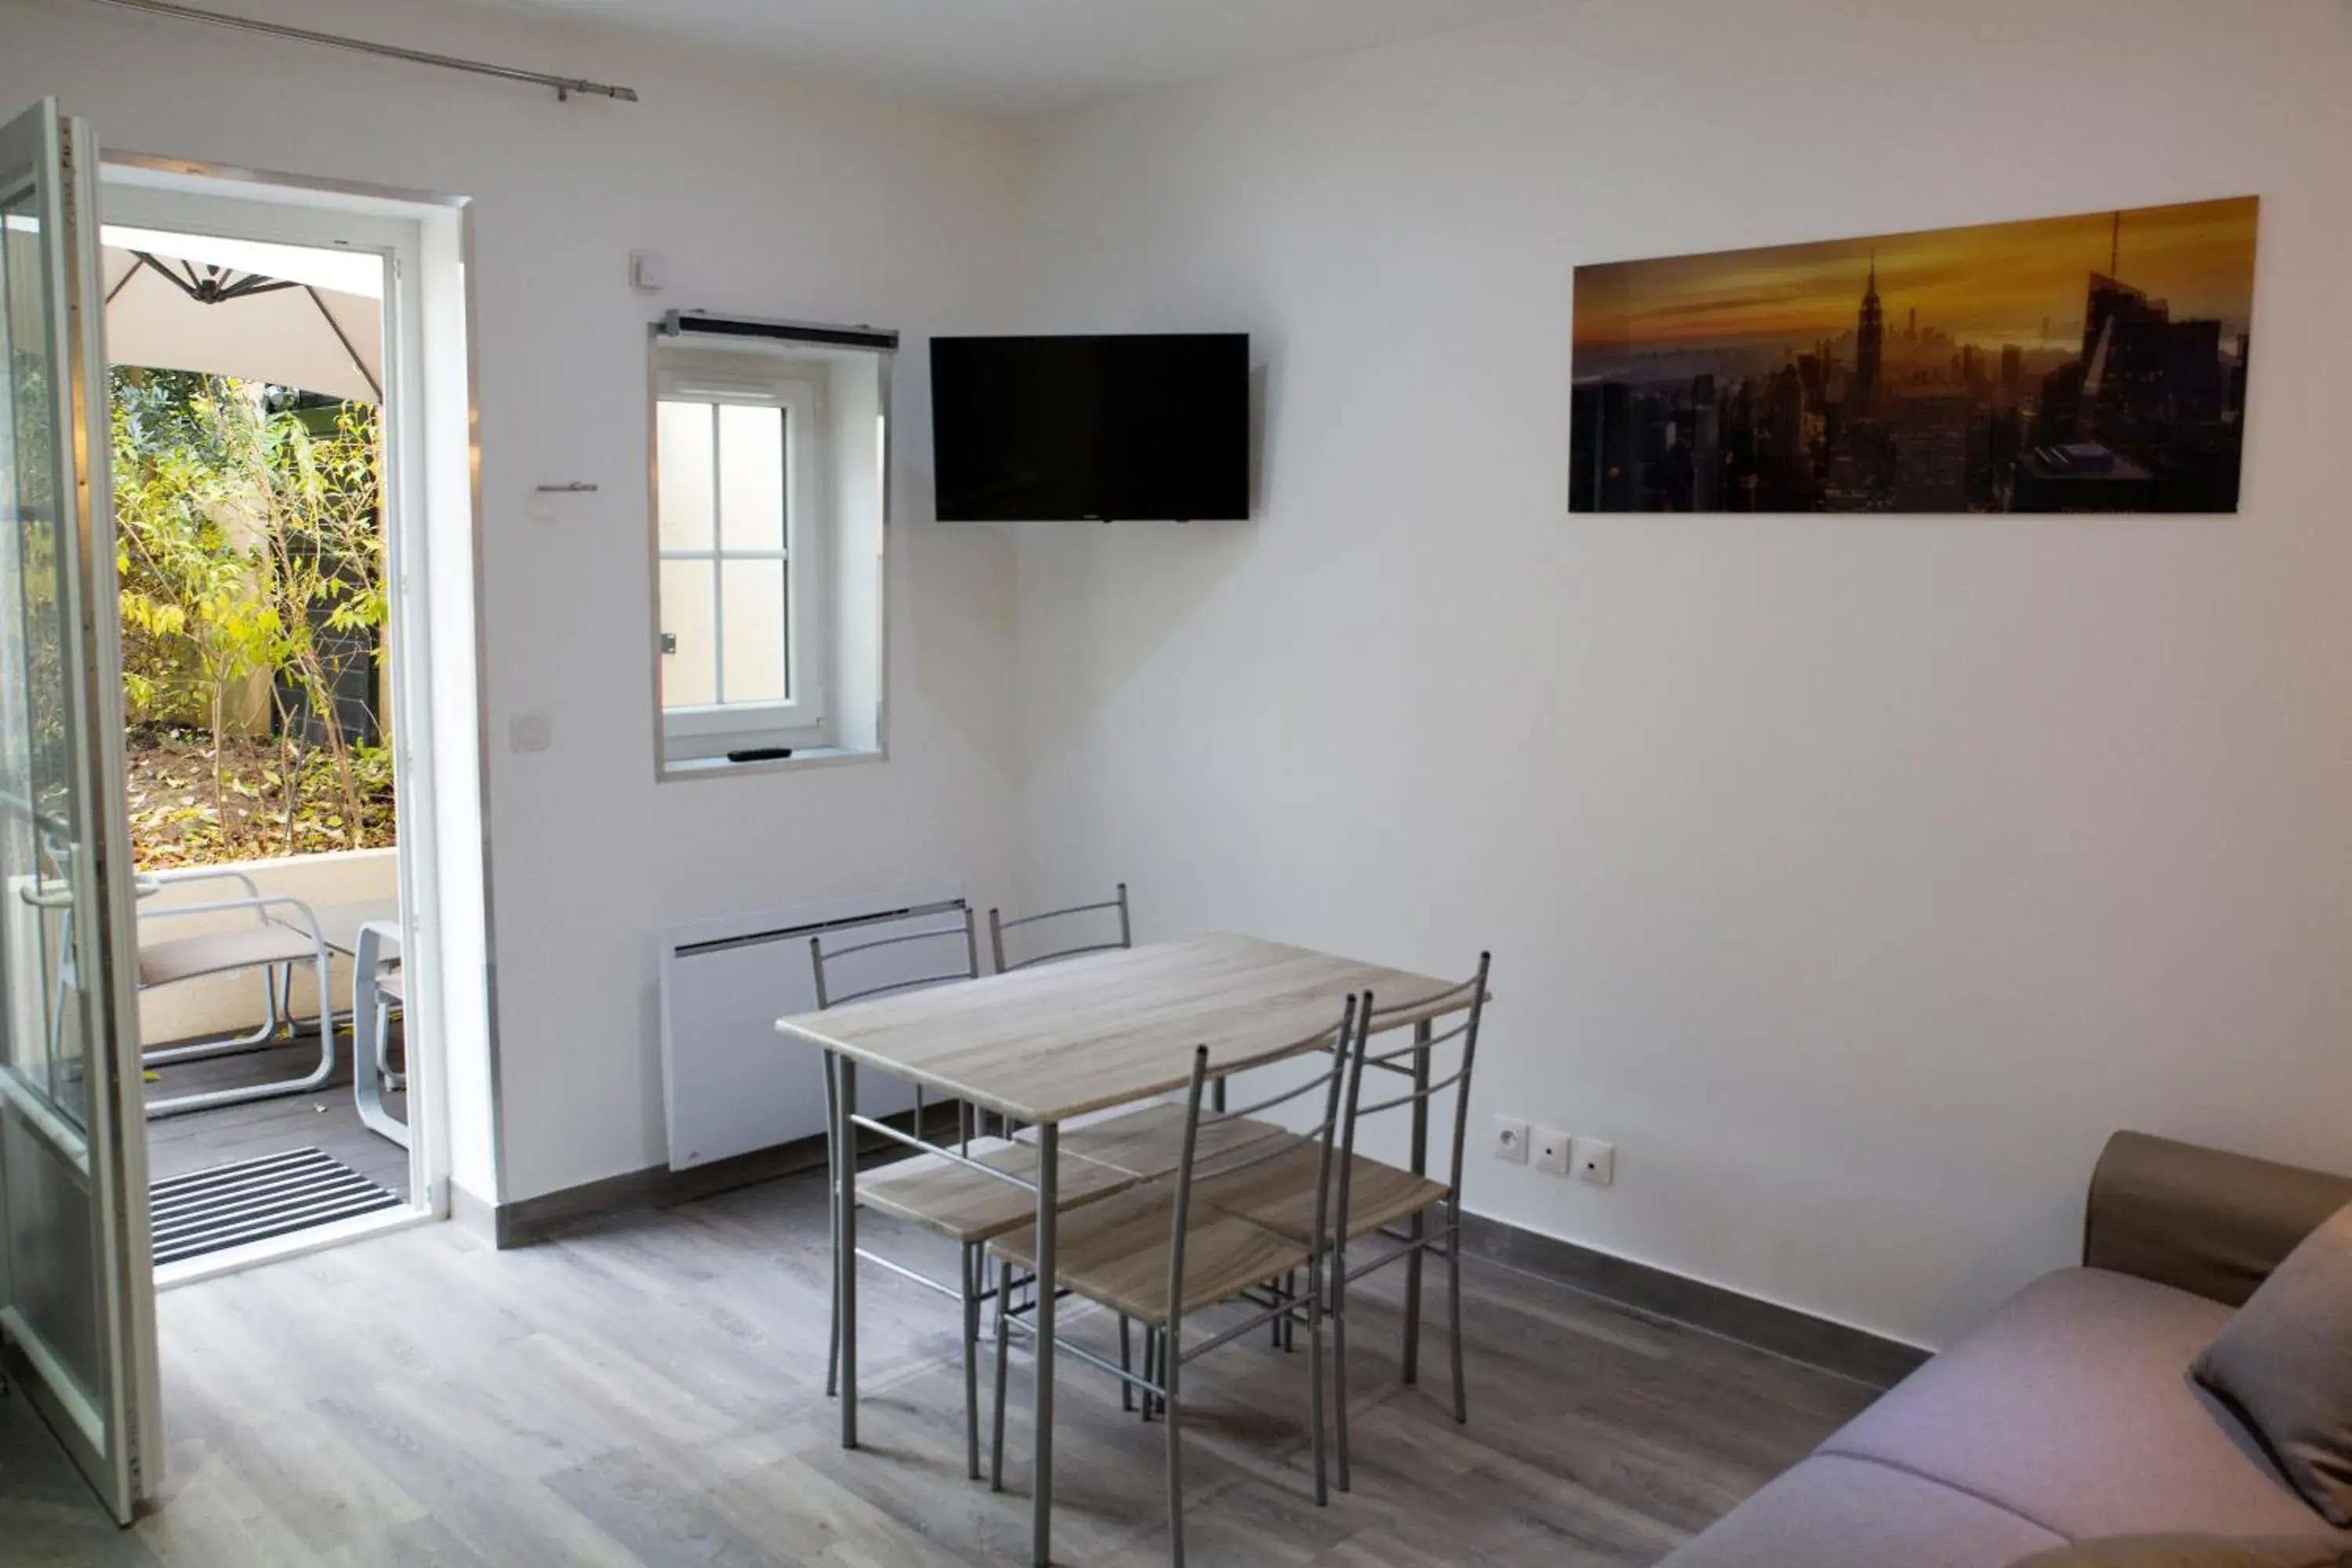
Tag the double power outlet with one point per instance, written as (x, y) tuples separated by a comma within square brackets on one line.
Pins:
[(1592, 1160)]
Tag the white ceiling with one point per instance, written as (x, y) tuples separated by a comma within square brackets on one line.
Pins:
[(1031, 57)]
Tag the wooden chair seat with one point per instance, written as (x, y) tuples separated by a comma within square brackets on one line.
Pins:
[(1278, 1193), (1149, 1143), (962, 1204), (1115, 1253)]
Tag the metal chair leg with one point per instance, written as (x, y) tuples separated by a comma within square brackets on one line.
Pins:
[(833, 1225), (1454, 1304), (1315, 1380), (1172, 1364), (1409, 1362), (1125, 1362), (1339, 1354), (276, 1022), (1420, 1223), (972, 1264), (315, 1078), (1004, 1338)]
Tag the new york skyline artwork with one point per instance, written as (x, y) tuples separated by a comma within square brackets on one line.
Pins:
[(2091, 364)]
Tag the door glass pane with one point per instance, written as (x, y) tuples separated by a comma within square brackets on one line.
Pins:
[(750, 478), (754, 601), (690, 666), (36, 864), (72, 1274), (682, 456)]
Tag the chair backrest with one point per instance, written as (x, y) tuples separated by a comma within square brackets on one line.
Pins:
[(1337, 1045), (948, 927), (997, 925), (1423, 1083)]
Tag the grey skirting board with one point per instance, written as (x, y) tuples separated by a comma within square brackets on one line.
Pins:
[(1816, 1341), (1783, 1331)]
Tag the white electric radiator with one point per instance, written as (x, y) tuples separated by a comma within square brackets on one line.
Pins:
[(731, 1084)]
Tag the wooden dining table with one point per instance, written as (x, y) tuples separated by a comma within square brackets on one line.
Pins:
[(1046, 1044)]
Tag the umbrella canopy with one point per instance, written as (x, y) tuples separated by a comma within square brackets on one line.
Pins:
[(291, 315)]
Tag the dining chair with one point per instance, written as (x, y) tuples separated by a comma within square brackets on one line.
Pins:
[(1140, 1141), (1036, 952), (1372, 1198), (1156, 1255), (938, 1193), (997, 925)]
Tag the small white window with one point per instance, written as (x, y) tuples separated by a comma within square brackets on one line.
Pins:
[(767, 526), (742, 534)]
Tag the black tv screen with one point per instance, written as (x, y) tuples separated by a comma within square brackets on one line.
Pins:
[(1032, 429)]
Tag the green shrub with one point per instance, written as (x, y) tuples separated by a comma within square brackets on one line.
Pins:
[(247, 524)]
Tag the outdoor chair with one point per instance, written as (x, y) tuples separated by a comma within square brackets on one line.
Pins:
[(282, 934), (379, 986)]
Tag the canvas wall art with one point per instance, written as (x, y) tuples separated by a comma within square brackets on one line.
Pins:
[(2089, 363)]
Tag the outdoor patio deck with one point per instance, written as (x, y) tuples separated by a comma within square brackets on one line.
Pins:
[(322, 1118)]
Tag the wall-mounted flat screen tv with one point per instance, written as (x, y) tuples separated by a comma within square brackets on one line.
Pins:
[(1102, 428)]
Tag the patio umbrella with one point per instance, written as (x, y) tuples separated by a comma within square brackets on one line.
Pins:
[(295, 316)]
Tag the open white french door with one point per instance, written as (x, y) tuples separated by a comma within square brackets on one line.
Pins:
[(76, 1290)]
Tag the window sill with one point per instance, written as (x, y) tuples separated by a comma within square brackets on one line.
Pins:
[(806, 757)]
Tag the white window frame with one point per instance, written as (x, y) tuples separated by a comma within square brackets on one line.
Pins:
[(801, 720)]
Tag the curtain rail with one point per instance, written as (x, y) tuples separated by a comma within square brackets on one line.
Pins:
[(564, 87)]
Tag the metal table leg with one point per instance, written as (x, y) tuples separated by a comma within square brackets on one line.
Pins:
[(1049, 1159), (845, 1229)]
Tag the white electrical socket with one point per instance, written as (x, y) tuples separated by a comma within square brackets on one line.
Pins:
[(1551, 1150), (1511, 1140), (1596, 1161)]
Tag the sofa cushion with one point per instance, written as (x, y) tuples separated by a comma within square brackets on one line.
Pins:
[(1835, 1512), (2072, 1407), (2193, 1551), (2285, 1363)]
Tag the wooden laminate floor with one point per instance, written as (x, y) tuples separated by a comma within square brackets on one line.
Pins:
[(652, 1392)]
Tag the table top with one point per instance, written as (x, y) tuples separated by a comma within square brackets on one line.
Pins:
[(1059, 1040)]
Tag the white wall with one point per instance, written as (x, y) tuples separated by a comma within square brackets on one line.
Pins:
[(1857, 877), (771, 197)]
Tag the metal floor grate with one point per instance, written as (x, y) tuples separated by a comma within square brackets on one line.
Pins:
[(256, 1199)]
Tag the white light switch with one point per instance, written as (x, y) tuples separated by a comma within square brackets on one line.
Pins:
[(530, 733)]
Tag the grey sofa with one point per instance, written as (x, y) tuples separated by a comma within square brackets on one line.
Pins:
[(2070, 1412)]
